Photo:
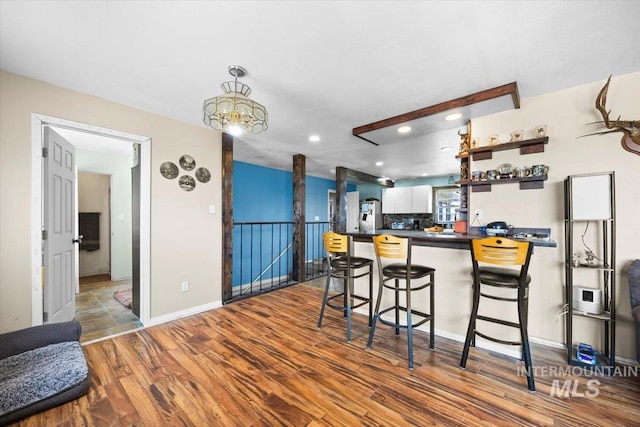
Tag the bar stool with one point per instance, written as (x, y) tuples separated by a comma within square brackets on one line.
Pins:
[(342, 265), (501, 251), (389, 249)]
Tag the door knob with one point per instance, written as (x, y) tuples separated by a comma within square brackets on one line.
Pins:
[(78, 239)]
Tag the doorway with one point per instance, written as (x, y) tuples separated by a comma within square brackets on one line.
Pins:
[(141, 157)]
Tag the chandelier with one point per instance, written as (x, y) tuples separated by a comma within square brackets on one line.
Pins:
[(234, 112)]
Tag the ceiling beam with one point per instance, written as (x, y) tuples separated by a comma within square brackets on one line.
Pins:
[(365, 178), (485, 95)]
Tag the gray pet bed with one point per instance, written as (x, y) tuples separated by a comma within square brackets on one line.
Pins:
[(40, 367)]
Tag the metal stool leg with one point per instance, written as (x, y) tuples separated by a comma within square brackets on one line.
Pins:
[(409, 326), (370, 293), (324, 299), (397, 310), (347, 305), (375, 316), (472, 324), (432, 326), (524, 337)]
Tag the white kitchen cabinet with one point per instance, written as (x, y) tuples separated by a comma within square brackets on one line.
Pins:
[(417, 199), (421, 199), (396, 200)]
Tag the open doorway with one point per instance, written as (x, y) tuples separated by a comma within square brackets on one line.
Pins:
[(104, 301), (138, 171)]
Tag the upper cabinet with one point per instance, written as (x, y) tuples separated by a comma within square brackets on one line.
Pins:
[(396, 200), (417, 199), (422, 199)]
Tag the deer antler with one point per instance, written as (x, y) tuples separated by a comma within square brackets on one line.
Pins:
[(630, 128)]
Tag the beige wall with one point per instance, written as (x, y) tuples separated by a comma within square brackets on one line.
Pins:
[(185, 238)]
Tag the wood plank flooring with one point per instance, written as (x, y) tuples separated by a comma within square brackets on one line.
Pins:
[(263, 362)]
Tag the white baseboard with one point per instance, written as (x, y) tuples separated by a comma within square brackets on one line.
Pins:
[(183, 313)]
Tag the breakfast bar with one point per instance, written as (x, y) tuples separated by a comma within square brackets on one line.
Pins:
[(449, 254)]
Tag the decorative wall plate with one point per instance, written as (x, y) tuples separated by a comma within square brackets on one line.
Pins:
[(169, 170), (187, 183), (187, 162), (203, 175)]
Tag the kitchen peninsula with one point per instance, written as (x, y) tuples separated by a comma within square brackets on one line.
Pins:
[(449, 254)]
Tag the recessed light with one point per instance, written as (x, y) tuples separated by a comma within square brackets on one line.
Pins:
[(454, 116), (445, 148), (425, 174), (314, 138), (379, 163), (404, 129)]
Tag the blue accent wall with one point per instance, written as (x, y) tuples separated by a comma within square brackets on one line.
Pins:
[(262, 194)]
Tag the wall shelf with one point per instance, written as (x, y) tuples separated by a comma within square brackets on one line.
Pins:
[(528, 146), (528, 183)]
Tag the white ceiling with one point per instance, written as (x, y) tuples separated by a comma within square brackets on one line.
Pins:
[(320, 67)]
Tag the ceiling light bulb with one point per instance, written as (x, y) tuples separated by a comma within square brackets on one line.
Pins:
[(314, 138), (425, 174), (235, 130), (404, 129), (379, 163), (454, 116)]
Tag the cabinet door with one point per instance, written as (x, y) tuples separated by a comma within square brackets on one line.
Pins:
[(396, 200), (421, 199)]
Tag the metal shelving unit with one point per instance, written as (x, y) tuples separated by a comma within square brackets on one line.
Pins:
[(590, 199)]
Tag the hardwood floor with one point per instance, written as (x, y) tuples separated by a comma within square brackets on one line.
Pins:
[(262, 362)]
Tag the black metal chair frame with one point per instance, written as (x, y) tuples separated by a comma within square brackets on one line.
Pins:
[(342, 265), (499, 250), (390, 277)]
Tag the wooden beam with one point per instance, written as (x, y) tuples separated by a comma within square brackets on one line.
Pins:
[(485, 95), (227, 216), (366, 178), (299, 217), (341, 199)]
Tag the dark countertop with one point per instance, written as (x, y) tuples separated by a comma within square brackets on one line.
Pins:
[(443, 239)]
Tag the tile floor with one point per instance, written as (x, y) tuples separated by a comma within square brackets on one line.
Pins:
[(98, 312)]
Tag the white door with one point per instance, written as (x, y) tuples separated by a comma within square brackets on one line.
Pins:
[(353, 211), (59, 227)]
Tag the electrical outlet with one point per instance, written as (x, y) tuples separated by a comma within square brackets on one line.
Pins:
[(478, 213), (185, 286)]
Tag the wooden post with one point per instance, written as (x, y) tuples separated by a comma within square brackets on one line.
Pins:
[(299, 218), (341, 199), (227, 216)]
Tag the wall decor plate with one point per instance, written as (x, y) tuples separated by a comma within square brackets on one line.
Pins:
[(203, 175), (187, 162), (169, 170), (187, 183)]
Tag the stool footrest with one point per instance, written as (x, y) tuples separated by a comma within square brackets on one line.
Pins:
[(499, 298), (498, 321), (342, 307), (426, 318), (496, 339)]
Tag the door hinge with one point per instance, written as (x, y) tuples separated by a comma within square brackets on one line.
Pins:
[(45, 152), (45, 235)]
